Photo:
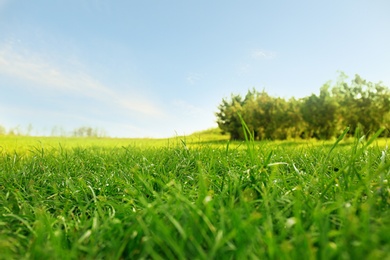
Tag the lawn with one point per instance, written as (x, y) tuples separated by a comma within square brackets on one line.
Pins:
[(195, 197)]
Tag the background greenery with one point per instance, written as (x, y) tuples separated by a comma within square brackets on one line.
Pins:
[(358, 104)]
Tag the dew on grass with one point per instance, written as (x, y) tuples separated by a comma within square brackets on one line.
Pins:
[(207, 199), (291, 222)]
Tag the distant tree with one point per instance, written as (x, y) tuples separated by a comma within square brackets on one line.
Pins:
[(228, 119), (363, 104), (88, 132), (15, 131), (266, 117), (320, 113), (264, 125), (295, 125), (29, 129), (58, 131), (256, 113), (287, 119), (3, 131), (248, 112), (81, 132), (270, 117)]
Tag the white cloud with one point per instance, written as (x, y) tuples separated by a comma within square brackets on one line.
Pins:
[(192, 78), (260, 54), (47, 76)]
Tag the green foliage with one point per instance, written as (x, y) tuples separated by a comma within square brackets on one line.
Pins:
[(87, 132), (2, 130), (227, 117), (266, 201), (360, 104), (363, 104), (321, 114)]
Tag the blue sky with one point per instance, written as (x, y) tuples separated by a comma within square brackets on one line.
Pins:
[(161, 68)]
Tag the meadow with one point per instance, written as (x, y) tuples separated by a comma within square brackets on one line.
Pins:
[(195, 197)]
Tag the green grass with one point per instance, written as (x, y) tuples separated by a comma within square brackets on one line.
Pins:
[(193, 198)]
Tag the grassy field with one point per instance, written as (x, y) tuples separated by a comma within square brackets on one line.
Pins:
[(195, 197)]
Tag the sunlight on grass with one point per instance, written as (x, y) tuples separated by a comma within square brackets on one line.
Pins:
[(192, 197)]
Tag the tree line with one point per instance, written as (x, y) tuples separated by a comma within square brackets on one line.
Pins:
[(359, 104), (84, 131)]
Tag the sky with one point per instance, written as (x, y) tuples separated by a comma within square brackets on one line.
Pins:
[(160, 68)]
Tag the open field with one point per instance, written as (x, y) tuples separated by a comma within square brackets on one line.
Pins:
[(196, 197)]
